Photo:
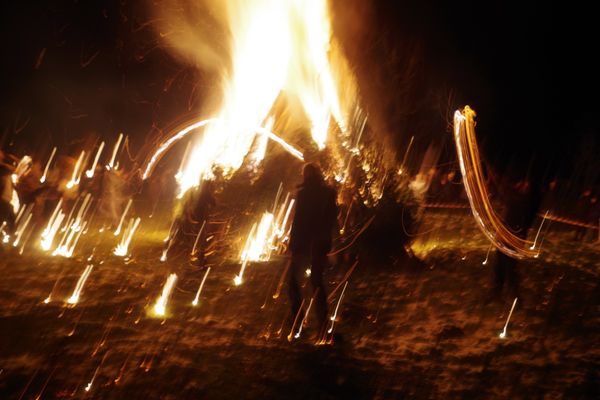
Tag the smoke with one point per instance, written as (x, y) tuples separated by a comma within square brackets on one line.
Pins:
[(193, 31)]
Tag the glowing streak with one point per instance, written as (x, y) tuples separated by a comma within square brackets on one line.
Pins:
[(487, 255), (122, 248), (257, 249), (503, 333), (118, 230), (43, 178), (90, 172), (166, 145), (76, 176), (161, 302), (114, 153), (198, 238), (470, 166), (401, 170), (334, 316), (19, 233), (538, 231), (75, 296), (195, 302), (297, 335), (183, 161)]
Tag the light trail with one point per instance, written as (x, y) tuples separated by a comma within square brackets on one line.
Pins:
[(76, 175), (111, 163), (52, 227), (43, 178), (485, 216), (210, 159), (197, 298), (503, 333), (197, 238), (161, 302), (334, 316), (538, 231), (487, 255), (21, 229), (401, 169), (90, 172), (297, 335), (118, 230), (75, 296), (163, 257), (123, 247)]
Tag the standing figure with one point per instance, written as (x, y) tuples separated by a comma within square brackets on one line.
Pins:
[(310, 239)]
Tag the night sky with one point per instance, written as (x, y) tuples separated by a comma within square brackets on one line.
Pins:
[(75, 70)]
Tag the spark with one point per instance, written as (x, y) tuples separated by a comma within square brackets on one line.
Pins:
[(52, 227), (75, 296), (308, 272), (485, 216), (198, 238), (90, 172), (76, 175), (163, 257), (161, 302), (487, 255), (114, 153), (195, 302), (73, 229), (21, 229), (118, 230), (43, 178), (183, 161), (401, 169), (297, 335), (123, 246), (503, 333), (538, 231), (334, 316)]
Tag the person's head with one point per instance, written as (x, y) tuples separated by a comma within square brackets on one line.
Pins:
[(312, 174)]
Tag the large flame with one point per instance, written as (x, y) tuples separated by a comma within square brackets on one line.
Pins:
[(276, 46)]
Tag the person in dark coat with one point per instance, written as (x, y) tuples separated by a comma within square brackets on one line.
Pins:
[(314, 220)]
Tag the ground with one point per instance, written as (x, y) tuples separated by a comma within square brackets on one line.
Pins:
[(405, 329)]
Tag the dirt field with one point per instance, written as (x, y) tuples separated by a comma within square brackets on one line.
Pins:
[(404, 330)]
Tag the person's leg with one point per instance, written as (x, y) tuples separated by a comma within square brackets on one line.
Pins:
[(512, 277), (294, 272), (319, 262), (500, 273)]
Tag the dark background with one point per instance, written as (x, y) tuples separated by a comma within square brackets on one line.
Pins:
[(75, 70)]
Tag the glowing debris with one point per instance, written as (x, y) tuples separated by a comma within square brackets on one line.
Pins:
[(123, 247), (334, 316), (76, 176), (196, 299), (111, 163), (75, 296), (297, 335), (118, 230), (90, 172), (43, 178), (538, 231), (503, 333), (161, 302)]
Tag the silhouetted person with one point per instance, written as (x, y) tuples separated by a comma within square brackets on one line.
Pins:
[(7, 213), (310, 239)]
